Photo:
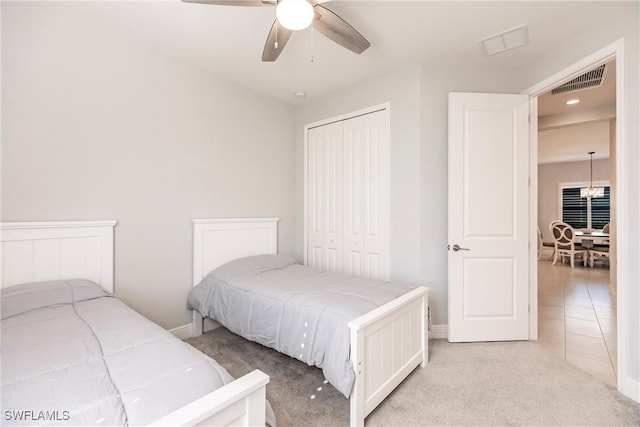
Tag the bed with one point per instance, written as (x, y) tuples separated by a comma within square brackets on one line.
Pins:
[(115, 367), (237, 270)]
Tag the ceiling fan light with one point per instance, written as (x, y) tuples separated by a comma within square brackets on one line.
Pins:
[(294, 14)]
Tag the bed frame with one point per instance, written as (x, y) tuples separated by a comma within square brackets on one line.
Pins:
[(387, 344), (39, 251)]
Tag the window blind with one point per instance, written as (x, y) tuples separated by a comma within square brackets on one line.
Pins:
[(601, 210), (574, 208)]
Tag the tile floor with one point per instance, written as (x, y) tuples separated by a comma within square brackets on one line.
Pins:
[(577, 316)]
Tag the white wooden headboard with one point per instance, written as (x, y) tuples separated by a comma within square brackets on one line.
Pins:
[(39, 251), (217, 241)]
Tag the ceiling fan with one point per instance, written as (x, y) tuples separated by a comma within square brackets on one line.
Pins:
[(293, 15)]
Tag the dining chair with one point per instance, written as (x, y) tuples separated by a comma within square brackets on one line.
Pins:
[(542, 244), (553, 244), (564, 237), (599, 253)]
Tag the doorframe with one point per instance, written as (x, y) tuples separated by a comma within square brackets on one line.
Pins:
[(615, 51)]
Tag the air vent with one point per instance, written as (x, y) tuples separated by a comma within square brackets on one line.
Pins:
[(506, 40), (593, 78)]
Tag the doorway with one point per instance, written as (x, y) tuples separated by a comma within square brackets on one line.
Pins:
[(577, 308), (612, 52)]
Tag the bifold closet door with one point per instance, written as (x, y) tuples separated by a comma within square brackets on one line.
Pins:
[(347, 196), (366, 196), (324, 197)]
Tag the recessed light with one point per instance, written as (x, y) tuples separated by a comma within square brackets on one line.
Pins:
[(572, 101), (299, 94)]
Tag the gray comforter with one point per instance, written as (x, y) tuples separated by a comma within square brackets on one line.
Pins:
[(296, 310), (72, 354)]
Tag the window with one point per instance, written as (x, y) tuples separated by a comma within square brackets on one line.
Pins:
[(579, 212)]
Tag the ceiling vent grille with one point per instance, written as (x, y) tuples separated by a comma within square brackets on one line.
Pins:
[(593, 78)]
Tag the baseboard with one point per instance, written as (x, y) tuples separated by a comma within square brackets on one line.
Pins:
[(439, 332), (631, 389), (182, 332), (186, 331)]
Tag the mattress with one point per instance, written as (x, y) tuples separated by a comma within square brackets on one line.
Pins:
[(72, 354), (296, 310)]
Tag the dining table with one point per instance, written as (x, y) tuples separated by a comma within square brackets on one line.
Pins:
[(588, 239)]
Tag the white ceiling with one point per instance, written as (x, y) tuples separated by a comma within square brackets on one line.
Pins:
[(569, 132), (228, 40)]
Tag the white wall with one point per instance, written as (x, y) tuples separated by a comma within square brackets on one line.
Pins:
[(571, 142), (94, 128), (550, 175)]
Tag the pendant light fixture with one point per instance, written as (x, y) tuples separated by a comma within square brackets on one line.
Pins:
[(294, 14), (591, 192)]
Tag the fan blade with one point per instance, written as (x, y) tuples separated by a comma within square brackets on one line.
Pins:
[(337, 29), (235, 2), (278, 34)]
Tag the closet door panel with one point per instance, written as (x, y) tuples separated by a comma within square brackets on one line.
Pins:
[(325, 197), (353, 196), (375, 189)]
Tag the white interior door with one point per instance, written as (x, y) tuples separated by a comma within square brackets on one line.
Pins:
[(488, 217)]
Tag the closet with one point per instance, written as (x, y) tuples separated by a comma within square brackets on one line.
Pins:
[(347, 194)]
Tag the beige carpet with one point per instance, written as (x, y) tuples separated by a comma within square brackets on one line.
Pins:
[(497, 384)]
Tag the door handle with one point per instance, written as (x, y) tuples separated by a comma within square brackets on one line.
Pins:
[(457, 248)]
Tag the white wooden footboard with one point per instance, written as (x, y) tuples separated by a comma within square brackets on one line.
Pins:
[(386, 345), (239, 403)]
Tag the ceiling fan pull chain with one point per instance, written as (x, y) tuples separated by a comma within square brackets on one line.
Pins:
[(312, 39), (275, 44)]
